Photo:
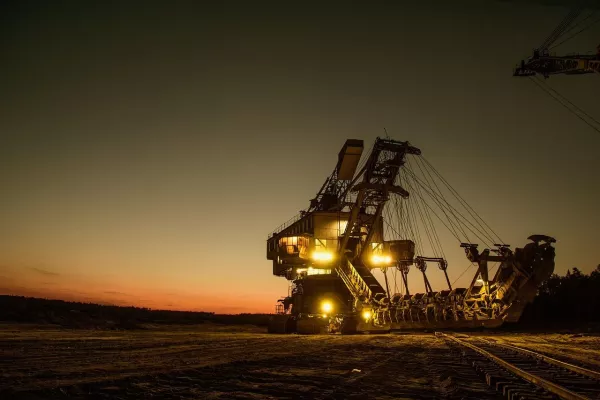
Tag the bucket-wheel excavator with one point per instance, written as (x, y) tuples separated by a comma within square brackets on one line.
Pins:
[(371, 213)]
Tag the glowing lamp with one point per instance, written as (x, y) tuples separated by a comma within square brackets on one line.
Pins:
[(322, 256), (326, 306), (377, 259), (366, 314)]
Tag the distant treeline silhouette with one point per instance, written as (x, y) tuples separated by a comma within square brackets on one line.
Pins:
[(570, 301), (89, 315)]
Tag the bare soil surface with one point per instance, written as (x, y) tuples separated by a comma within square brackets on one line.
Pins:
[(224, 362), (578, 349)]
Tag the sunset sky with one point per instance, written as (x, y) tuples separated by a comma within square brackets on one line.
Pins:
[(148, 148)]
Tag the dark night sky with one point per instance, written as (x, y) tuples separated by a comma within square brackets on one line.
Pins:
[(147, 151)]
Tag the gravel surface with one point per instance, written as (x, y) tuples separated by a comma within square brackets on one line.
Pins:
[(214, 362)]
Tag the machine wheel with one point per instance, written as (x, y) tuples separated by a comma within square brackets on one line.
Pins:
[(349, 325), (282, 323), (312, 326)]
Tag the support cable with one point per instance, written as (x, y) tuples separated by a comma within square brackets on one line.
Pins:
[(444, 205), (414, 225), (438, 190), (425, 227), (549, 93), (465, 205), (461, 199), (432, 227), (594, 22), (408, 221), (560, 28), (567, 100), (577, 24), (461, 275), (400, 206), (429, 227), (457, 221), (485, 241), (442, 221)]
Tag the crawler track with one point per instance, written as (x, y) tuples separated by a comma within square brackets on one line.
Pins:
[(524, 374)]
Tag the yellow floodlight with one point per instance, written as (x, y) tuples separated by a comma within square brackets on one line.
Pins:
[(366, 314), (322, 256), (377, 259), (326, 306)]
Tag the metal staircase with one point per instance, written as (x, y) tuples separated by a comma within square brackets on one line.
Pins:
[(359, 281)]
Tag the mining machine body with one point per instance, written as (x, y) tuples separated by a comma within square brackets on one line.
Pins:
[(545, 64), (329, 250)]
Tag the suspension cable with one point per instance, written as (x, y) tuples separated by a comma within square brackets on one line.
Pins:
[(439, 203), (562, 103), (461, 200), (568, 101), (428, 223), (442, 207), (560, 28), (452, 231), (461, 275), (576, 25), (437, 187), (594, 22), (433, 195), (414, 225), (408, 222)]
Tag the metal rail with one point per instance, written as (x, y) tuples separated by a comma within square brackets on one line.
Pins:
[(354, 281), (285, 225), (531, 378), (549, 360)]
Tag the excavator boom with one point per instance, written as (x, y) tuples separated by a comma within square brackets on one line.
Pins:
[(552, 65)]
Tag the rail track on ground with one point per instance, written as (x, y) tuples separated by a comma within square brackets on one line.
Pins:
[(518, 373)]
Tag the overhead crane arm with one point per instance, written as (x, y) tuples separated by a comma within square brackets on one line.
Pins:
[(547, 65)]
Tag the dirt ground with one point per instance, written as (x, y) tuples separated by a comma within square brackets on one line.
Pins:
[(578, 349), (215, 362)]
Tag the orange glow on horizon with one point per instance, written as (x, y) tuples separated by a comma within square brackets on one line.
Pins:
[(37, 282)]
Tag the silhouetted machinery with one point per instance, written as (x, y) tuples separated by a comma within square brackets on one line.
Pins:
[(543, 63), (364, 218)]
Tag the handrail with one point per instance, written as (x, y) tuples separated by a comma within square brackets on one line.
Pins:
[(286, 224), (354, 281)]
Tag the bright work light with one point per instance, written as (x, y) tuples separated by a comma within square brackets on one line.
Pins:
[(326, 306), (380, 260), (366, 314), (322, 256)]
